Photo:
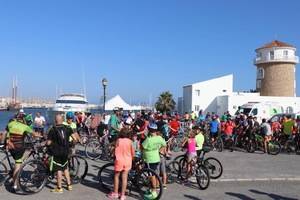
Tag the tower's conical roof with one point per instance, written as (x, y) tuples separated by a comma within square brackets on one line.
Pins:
[(275, 43)]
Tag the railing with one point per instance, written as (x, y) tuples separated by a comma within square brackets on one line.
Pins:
[(294, 59)]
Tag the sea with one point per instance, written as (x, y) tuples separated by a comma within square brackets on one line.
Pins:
[(5, 116)]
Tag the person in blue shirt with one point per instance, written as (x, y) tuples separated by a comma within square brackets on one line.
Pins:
[(214, 128)]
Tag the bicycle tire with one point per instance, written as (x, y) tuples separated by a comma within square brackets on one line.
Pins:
[(202, 177), (142, 180), (172, 170), (38, 178), (214, 167), (274, 147), (219, 145), (106, 176), (251, 146), (79, 166), (3, 173), (93, 150)]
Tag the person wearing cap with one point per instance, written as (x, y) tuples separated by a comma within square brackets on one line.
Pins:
[(114, 124), (199, 139), (151, 147), (16, 131)]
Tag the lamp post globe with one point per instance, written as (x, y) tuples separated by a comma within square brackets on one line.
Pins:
[(104, 84)]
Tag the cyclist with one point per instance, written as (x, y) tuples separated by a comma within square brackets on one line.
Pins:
[(17, 129), (287, 125), (70, 122), (151, 147), (214, 128), (59, 147), (199, 139), (266, 131), (114, 125)]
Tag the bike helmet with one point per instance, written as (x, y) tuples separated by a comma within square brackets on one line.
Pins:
[(152, 127), (70, 115)]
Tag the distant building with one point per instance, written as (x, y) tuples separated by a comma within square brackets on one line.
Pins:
[(276, 82), (276, 67)]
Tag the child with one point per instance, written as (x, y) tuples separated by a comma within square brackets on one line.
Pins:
[(124, 153), (191, 153)]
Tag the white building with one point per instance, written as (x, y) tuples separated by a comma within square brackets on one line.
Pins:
[(216, 95)]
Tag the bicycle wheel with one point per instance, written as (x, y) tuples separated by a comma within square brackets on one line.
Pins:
[(183, 163), (219, 145), (33, 176), (144, 183), (172, 170), (106, 176), (78, 167), (274, 147), (3, 172), (93, 150), (251, 146), (202, 177), (214, 167)]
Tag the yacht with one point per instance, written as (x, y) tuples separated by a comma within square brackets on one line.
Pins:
[(68, 103)]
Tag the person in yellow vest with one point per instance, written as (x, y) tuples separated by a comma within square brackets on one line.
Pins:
[(17, 129)]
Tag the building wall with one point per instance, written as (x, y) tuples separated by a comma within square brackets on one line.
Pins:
[(187, 98), (279, 79), (203, 95)]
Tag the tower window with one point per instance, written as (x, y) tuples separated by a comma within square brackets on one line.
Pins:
[(197, 93), (285, 53), (271, 55), (260, 73), (258, 84)]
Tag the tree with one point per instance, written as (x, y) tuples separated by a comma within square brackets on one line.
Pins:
[(165, 102)]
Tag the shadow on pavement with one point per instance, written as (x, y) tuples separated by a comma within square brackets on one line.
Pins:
[(191, 197), (271, 195), (240, 196)]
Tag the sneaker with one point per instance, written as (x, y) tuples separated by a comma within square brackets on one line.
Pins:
[(151, 196), (69, 188), (165, 187), (122, 197), (113, 195), (57, 190)]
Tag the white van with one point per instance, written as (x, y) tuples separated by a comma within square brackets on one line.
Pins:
[(260, 110)]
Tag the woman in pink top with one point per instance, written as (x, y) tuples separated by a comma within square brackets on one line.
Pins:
[(124, 153)]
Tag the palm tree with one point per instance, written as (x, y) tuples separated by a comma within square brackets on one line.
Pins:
[(165, 102)]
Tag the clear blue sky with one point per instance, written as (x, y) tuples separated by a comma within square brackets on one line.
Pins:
[(141, 47)]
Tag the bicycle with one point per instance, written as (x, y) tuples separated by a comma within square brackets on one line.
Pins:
[(256, 142), (100, 148), (138, 179), (34, 174), (5, 172)]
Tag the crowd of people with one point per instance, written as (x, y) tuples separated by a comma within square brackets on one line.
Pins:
[(135, 135)]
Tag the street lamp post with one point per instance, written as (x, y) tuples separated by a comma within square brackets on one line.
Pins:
[(104, 84)]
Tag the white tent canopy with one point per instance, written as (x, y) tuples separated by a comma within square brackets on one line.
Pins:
[(117, 101)]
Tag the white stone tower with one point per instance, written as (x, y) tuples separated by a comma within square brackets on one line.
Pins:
[(276, 69)]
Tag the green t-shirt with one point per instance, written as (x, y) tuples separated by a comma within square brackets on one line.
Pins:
[(287, 127), (73, 125), (114, 122), (199, 141), (151, 147)]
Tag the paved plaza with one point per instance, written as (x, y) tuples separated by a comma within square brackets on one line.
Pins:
[(246, 177)]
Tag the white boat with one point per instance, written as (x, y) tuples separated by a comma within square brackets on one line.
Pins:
[(68, 103)]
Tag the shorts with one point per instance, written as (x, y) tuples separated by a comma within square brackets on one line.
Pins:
[(214, 135), (122, 166), (162, 165), (17, 155), (58, 163), (153, 166), (191, 156)]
